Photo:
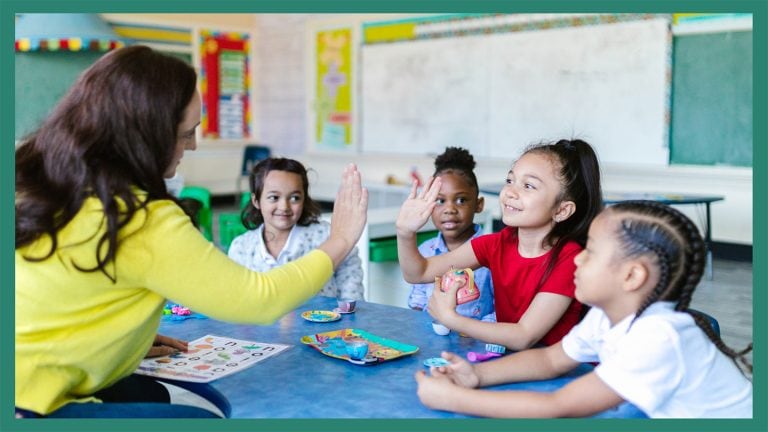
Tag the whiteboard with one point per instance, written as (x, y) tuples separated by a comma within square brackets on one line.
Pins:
[(494, 94)]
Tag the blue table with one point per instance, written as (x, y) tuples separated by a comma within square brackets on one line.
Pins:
[(664, 198), (302, 382)]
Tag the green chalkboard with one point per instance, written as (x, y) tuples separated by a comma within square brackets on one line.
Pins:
[(712, 99), (42, 78)]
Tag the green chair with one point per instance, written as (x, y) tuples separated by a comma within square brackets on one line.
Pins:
[(245, 199), (205, 215), (230, 226)]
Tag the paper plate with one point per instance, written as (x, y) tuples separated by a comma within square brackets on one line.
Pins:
[(320, 316)]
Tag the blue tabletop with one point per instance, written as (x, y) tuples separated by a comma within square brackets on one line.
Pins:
[(302, 382)]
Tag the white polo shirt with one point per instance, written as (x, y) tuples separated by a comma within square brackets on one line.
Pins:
[(249, 250), (663, 363)]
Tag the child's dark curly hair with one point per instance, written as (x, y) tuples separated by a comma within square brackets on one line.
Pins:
[(458, 161)]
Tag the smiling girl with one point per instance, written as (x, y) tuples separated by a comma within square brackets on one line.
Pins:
[(551, 196), (283, 226)]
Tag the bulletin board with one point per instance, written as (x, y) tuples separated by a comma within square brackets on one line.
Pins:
[(225, 84), (494, 90), (331, 117)]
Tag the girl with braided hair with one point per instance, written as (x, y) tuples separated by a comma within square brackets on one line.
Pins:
[(641, 265)]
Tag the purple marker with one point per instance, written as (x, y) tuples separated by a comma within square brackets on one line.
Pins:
[(478, 357)]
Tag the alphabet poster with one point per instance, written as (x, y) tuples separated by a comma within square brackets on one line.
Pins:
[(209, 358)]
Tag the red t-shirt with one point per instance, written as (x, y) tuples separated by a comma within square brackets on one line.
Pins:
[(515, 279)]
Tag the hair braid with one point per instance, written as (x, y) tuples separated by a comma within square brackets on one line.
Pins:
[(649, 226), (661, 285)]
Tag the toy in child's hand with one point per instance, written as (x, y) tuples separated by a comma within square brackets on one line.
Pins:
[(494, 348), (478, 357), (468, 291), (491, 351)]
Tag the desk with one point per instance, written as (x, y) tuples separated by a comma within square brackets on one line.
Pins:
[(302, 382), (664, 198)]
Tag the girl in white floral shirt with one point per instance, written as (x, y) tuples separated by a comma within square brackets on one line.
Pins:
[(283, 225)]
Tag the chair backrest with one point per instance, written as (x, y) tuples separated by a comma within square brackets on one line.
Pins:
[(253, 154), (712, 320)]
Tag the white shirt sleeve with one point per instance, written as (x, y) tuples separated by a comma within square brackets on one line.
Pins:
[(644, 366), (581, 343)]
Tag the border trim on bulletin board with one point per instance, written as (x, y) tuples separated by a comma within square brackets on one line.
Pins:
[(459, 25), (152, 33), (225, 84)]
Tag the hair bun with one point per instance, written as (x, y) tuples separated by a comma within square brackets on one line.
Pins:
[(455, 157)]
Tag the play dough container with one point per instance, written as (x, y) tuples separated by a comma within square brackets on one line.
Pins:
[(468, 291)]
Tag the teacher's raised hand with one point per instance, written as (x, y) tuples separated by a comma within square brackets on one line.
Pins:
[(350, 211)]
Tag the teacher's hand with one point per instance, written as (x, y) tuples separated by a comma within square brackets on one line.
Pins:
[(165, 345)]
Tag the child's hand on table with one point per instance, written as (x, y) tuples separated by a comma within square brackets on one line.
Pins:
[(417, 208), (165, 345), (459, 371)]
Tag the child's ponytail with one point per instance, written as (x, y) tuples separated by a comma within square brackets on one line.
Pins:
[(579, 174)]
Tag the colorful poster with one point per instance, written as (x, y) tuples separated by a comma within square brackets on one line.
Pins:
[(333, 107), (209, 358), (225, 84)]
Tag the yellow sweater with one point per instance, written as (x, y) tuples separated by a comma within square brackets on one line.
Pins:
[(77, 332)]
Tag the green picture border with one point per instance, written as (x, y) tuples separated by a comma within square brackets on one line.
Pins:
[(10, 7)]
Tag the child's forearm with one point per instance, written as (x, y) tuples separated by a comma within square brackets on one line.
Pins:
[(528, 365), (503, 404), (412, 264), (512, 336)]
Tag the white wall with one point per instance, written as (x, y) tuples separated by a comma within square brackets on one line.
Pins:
[(280, 101)]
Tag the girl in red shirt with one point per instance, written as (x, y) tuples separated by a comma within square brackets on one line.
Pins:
[(551, 196)]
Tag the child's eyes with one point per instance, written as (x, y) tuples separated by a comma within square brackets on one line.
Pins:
[(529, 186), (461, 201), (440, 201), (295, 198)]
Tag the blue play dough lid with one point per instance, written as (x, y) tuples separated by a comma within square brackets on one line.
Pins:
[(436, 362)]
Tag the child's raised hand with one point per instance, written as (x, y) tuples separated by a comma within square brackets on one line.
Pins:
[(418, 207)]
